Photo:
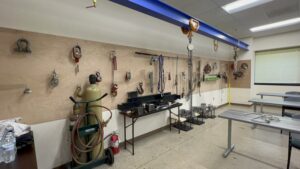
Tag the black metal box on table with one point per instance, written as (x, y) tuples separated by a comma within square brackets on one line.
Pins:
[(137, 107), (147, 104)]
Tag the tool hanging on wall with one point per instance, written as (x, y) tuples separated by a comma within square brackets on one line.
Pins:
[(161, 76), (98, 76), (169, 76), (216, 45), (114, 86), (76, 56), (235, 56), (207, 69), (151, 83), (238, 72), (176, 76), (23, 46), (54, 80), (214, 66), (223, 76), (140, 89), (199, 74), (127, 76), (183, 84), (94, 4)]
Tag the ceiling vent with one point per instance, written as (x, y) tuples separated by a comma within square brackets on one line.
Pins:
[(283, 10)]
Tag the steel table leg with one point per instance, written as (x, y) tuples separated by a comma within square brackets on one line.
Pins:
[(132, 136), (125, 142), (261, 105), (230, 146), (254, 109), (178, 122)]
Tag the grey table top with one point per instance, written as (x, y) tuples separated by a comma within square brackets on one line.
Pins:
[(284, 123), (276, 102), (278, 95)]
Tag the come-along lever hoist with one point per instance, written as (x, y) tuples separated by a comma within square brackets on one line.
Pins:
[(114, 86)]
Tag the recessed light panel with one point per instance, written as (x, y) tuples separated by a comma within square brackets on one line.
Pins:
[(241, 5), (274, 25)]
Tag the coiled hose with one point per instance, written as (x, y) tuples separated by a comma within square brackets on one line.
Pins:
[(78, 146)]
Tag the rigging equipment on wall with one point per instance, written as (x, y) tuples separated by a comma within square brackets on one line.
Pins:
[(140, 89), (183, 84), (23, 46), (199, 76), (54, 80), (207, 69), (114, 86), (176, 76), (216, 45), (161, 76), (98, 76), (151, 83), (76, 56), (127, 76), (238, 72)]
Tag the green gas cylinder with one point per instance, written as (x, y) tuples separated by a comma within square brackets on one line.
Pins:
[(93, 92)]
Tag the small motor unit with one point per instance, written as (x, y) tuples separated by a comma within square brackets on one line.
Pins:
[(138, 111), (150, 107)]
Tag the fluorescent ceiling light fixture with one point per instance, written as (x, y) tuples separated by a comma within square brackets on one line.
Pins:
[(279, 24), (241, 5)]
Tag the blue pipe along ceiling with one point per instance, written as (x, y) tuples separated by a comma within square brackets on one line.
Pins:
[(174, 16)]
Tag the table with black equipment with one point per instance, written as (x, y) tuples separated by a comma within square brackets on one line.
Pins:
[(25, 157), (128, 110), (282, 123)]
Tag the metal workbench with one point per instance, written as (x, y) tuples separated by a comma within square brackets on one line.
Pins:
[(284, 123), (135, 117), (262, 102), (283, 95)]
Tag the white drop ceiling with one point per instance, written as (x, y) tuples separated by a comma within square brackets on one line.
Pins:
[(238, 24)]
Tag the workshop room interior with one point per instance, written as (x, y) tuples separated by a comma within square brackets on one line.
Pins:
[(150, 84)]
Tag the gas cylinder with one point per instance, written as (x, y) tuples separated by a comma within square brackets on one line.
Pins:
[(93, 92), (114, 143)]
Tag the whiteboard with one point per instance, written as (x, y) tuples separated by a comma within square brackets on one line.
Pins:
[(278, 66)]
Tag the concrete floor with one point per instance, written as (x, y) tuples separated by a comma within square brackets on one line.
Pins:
[(202, 148)]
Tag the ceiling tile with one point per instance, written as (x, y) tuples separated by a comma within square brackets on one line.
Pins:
[(192, 7), (223, 2), (238, 24)]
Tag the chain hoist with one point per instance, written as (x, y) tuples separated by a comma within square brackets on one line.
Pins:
[(161, 76), (114, 86)]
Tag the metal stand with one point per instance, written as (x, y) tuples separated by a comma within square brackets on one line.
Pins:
[(178, 124), (230, 146), (134, 118), (195, 120)]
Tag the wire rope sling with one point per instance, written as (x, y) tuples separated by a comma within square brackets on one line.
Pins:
[(161, 76)]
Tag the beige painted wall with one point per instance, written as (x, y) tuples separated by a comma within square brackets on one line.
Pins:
[(52, 52)]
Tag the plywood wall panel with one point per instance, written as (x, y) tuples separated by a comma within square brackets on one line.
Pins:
[(53, 52), (245, 81)]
